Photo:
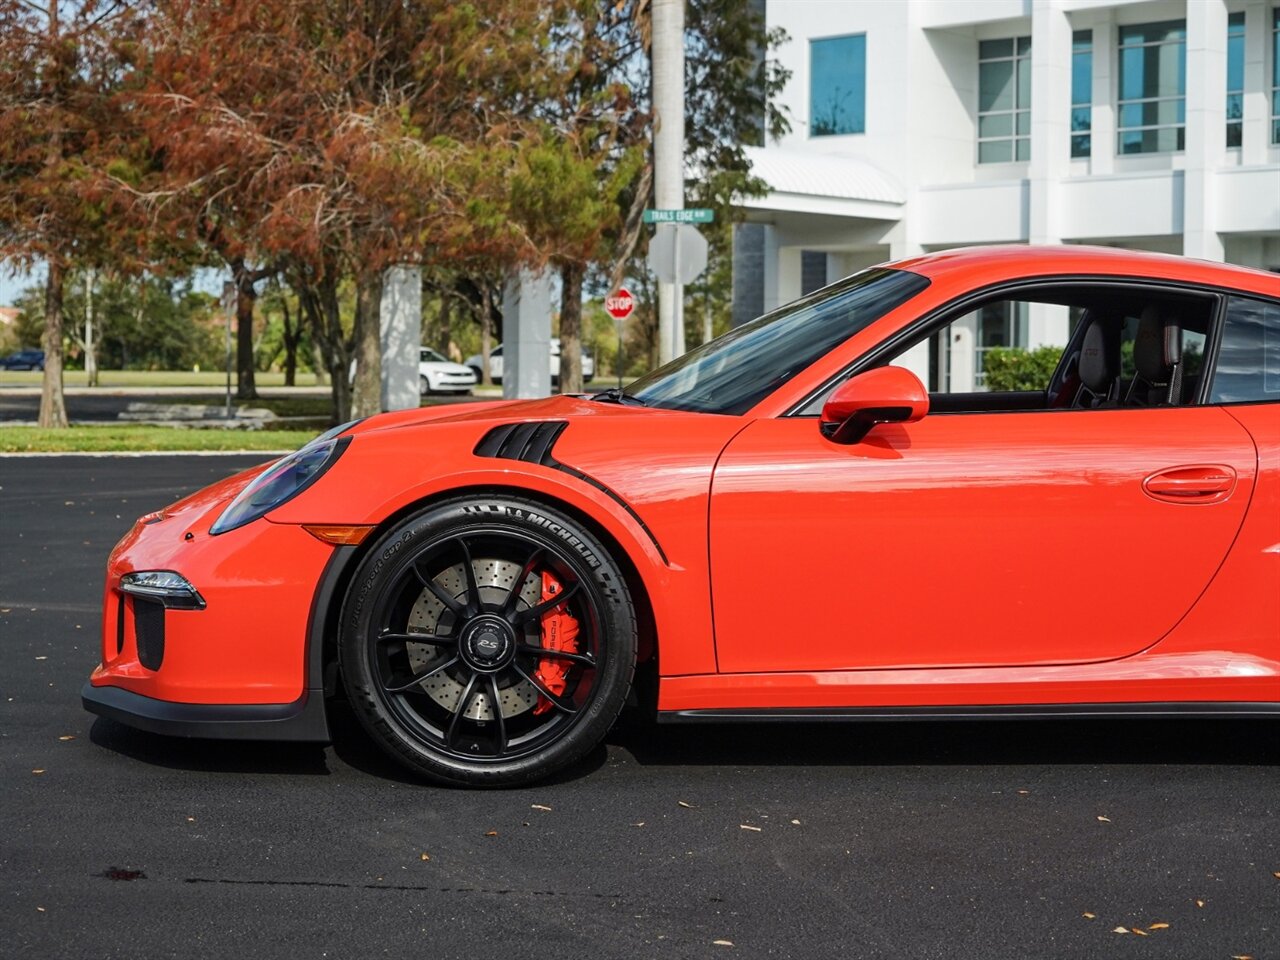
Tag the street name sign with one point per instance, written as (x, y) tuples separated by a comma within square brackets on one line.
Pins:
[(691, 215)]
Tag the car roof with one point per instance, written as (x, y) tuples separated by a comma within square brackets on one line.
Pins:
[(977, 266)]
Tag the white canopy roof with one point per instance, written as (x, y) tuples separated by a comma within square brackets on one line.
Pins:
[(827, 183)]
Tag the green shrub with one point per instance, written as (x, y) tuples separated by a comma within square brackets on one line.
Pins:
[(1016, 368)]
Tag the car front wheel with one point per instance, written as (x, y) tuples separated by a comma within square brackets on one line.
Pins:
[(424, 386), (488, 641)]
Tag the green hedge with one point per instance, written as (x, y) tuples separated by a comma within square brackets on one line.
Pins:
[(1015, 368)]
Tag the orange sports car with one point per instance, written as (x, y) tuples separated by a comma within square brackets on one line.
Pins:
[(861, 505)]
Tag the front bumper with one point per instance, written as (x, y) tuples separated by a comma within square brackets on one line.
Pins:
[(242, 656), (302, 721)]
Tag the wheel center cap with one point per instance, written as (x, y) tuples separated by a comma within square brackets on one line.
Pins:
[(487, 642)]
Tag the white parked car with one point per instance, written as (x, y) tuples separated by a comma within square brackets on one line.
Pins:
[(495, 363), (437, 374)]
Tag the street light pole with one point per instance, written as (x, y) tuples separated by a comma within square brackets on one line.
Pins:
[(668, 154)]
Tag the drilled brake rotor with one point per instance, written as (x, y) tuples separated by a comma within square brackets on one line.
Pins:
[(494, 579)]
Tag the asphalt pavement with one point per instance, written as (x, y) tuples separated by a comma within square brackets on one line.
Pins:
[(914, 840)]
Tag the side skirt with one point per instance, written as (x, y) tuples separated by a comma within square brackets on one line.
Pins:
[(993, 712)]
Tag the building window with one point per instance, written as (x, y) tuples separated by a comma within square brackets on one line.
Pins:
[(1004, 100), (1235, 79), (1081, 92), (1275, 75), (837, 85), (1153, 87)]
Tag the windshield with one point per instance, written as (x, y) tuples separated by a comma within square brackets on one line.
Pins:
[(733, 373), (430, 355)]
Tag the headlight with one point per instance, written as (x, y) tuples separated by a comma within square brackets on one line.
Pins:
[(284, 480)]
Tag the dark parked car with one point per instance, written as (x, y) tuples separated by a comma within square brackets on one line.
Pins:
[(23, 360)]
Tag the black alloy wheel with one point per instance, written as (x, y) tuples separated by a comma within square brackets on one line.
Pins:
[(488, 642)]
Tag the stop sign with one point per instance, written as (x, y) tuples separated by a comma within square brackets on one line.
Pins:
[(620, 304)]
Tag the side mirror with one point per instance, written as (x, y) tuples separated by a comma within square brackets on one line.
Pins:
[(882, 395)]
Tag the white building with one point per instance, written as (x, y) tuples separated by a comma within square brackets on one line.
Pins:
[(919, 125)]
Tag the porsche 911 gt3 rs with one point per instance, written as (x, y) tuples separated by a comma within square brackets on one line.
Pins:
[(841, 509)]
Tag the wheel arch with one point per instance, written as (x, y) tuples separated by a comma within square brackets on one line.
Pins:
[(336, 579)]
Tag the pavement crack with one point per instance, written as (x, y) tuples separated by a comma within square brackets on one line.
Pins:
[(483, 891)]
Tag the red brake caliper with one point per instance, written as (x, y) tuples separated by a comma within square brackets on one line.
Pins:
[(559, 632)]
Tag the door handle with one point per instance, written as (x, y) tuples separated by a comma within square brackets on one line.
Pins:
[(1197, 484)]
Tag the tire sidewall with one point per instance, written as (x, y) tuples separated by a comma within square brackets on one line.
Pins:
[(385, 565)]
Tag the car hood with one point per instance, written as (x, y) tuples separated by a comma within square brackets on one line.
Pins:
[(548, 408)]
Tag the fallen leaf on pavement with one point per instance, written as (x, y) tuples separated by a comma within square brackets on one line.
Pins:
[(1276, 874), (67, 737), (539, 806), (682, 803), (1241, 956), (38, 770), (1024, 792), (492, 833), (640, 824), (42, 658), (1139, 931), (1199, 903), (426, 856), (723, 943), (796, 822), (1105, 819), (1088, 916), (1158, 926), (1120, 930), (746, 826)]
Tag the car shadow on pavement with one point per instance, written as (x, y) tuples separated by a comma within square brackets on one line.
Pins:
[(355, 748), (993, 742), (189, 753)]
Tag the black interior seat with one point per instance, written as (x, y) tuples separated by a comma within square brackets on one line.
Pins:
[(1098, 366), (1157, 358)]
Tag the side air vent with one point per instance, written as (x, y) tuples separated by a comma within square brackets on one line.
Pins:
[(533, 443), (530, 442)]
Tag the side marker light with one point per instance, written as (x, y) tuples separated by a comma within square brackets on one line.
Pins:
[(340, 535)]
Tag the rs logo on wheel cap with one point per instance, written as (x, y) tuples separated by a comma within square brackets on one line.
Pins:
[(487, 642)]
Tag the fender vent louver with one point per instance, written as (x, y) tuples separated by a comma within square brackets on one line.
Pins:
[(530, 442), (533, 443)]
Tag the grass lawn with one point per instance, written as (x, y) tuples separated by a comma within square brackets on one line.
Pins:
[(148, 378), (133, 439)]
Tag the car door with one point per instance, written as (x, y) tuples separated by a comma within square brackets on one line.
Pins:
[(1007, 538)]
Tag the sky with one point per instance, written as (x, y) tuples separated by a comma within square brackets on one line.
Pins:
[(11, 286)]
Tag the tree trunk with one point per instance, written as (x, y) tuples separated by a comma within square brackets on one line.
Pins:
[(366, 393), (318, 364), (571, 275), (53, 405), (320, 305), (246, 389), (442, 338), (292, 334), (486, 335)]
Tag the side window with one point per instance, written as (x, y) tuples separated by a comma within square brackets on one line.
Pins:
[(1248, 364), (1089, 346), (1002, 347)]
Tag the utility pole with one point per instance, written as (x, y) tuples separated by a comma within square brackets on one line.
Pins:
[(668, 155)]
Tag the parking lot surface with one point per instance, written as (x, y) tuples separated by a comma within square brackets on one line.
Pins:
[(920, 840)]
